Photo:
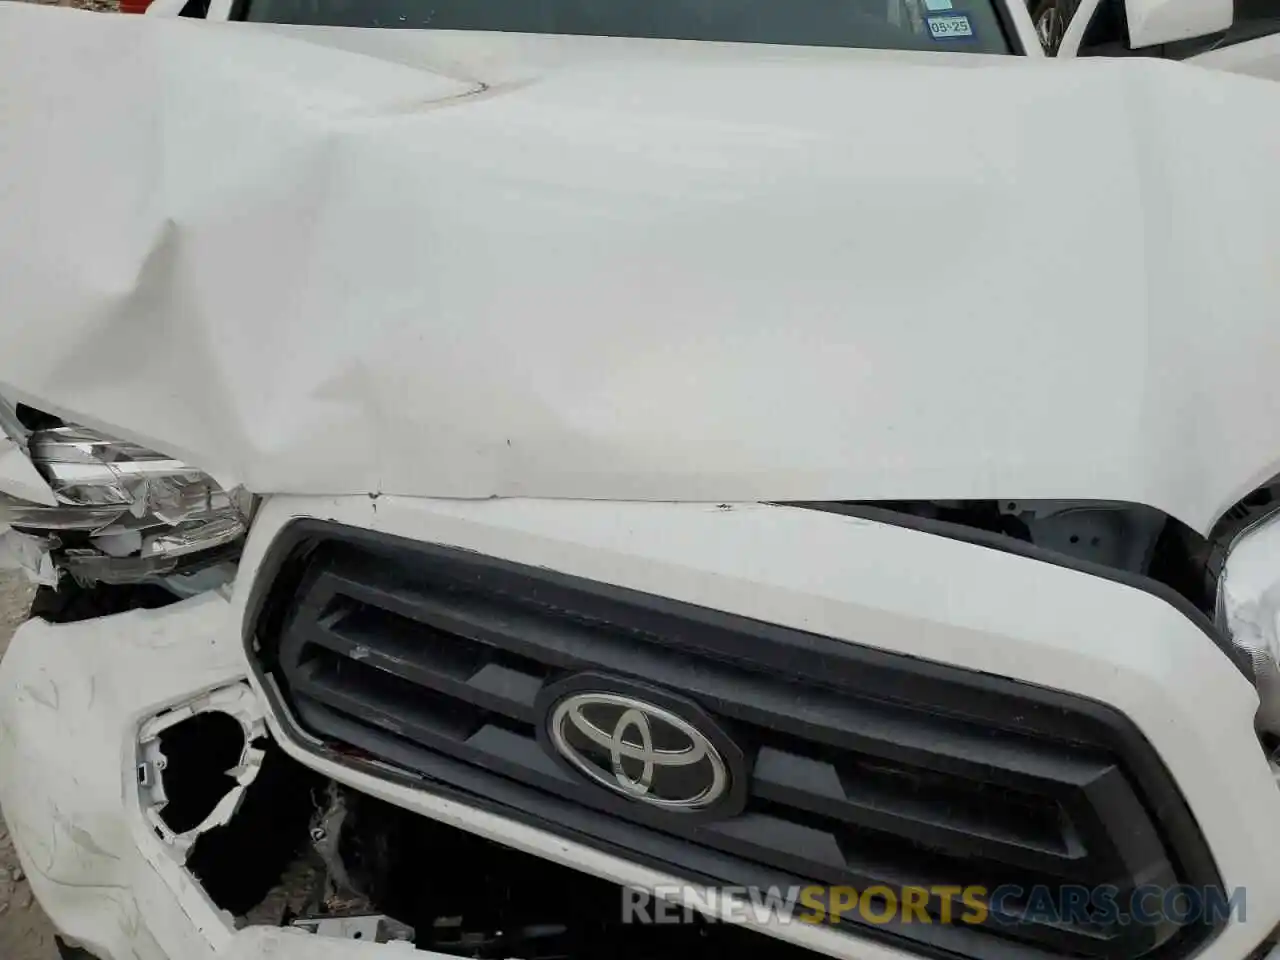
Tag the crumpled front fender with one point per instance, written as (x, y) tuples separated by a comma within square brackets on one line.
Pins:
[(73, 699)]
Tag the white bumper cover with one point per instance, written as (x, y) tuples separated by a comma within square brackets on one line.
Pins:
[(73, 698), (72, 702)]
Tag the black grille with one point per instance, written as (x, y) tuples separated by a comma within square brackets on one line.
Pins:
[(866, 768)]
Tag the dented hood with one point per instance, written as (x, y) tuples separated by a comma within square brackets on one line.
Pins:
[(458, 265)]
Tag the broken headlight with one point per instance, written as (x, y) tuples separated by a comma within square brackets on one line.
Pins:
[(1249, 607), (122, 513)]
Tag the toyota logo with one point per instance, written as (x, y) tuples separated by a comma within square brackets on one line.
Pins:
[(639, 750)]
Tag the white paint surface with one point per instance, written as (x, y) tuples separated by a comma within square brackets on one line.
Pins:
[(1153, 22), (639, 269)]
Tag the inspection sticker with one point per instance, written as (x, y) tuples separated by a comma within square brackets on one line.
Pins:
[(955, 26), (933, 6)]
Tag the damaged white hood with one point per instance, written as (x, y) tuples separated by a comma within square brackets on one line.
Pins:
[(657, 271)]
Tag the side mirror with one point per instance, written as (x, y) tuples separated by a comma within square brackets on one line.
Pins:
[(1153, 22)]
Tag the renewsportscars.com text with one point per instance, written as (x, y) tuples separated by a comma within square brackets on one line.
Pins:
[(974, 905)]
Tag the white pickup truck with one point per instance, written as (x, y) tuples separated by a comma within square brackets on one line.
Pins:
[(613, 479)]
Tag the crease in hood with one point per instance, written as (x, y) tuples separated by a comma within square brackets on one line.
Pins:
[(739, 277)]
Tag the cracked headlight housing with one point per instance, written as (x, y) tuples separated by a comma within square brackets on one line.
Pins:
[(1249, 608), (123, 513)]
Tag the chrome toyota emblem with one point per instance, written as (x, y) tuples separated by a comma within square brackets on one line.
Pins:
[(639, 749)]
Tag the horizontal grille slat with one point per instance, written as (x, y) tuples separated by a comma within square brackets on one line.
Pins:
[(793, 841), (386, 700), (439, 662), (957, 825), (861, 768), (835, 861), (887, 730)]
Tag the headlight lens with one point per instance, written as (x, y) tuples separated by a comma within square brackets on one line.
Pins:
[(88, 469), (124, 513)]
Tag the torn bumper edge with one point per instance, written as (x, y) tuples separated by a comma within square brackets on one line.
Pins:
[(78, 704), (239, 702)]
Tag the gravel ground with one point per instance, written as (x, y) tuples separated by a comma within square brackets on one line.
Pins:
[(25, 932)]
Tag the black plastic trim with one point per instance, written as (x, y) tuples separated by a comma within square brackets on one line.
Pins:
[(1176, 50), (1246, 32), (1044, 710)]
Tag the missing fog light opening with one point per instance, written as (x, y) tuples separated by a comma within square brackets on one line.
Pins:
[(196, 761), (200, 755)]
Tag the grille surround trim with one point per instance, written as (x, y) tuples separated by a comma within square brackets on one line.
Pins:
[(1044, 709)]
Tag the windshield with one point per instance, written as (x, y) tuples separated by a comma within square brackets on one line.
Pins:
[(973, 26)]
